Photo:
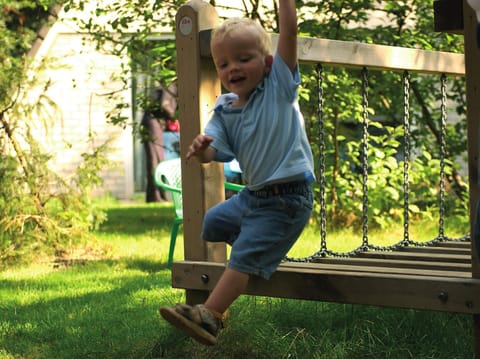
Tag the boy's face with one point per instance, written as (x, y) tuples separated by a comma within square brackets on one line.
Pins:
[(240, 64)]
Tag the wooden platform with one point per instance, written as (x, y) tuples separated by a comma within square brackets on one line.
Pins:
[(434, 278)]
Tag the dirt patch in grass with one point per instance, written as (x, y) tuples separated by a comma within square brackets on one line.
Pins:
[(80, 255)]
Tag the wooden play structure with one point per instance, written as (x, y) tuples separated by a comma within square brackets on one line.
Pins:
[(443, 277)]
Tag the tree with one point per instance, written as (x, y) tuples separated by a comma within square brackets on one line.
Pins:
[(39, 210)]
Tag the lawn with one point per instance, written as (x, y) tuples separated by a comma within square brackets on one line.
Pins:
[(101, 300)]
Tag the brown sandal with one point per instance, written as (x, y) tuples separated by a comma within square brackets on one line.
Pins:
[(196, 321)]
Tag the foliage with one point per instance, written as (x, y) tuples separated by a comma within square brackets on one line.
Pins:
[(19, 23), (401, 23), (134, 30), (408, 24), (40, 210)]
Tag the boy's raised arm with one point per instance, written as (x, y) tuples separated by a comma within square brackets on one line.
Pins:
[(287, 42)]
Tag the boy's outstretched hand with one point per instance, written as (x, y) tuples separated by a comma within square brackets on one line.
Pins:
[(198, 147)]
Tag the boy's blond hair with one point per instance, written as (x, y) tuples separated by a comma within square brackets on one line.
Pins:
[(238, 24)]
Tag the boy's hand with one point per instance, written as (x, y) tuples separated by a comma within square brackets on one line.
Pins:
[(198, 146)]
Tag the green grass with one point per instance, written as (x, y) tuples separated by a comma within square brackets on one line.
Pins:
[(344, 240), (101, 301)]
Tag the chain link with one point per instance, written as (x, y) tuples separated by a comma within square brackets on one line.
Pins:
[(406, 156), (365, 158), (443, 130), (321, 165)]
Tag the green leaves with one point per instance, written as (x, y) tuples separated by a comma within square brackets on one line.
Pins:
[(40, 210)]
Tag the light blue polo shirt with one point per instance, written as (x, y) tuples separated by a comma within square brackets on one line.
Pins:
[(267, 136)]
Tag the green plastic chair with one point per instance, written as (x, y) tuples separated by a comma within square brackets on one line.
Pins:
[(168, 175)]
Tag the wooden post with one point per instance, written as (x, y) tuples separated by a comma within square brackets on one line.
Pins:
[(448, 16), (472, 70), (198, 86)]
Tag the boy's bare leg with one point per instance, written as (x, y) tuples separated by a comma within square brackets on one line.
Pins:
[(229, 287)]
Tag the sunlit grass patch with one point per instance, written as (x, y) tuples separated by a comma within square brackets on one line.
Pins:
[(101, 301)]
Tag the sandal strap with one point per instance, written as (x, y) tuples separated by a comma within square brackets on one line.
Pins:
[(218, 315)]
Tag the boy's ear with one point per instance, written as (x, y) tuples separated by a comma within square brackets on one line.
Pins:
[(268, 63)]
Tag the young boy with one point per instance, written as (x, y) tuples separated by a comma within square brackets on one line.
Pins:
[(259, 124)]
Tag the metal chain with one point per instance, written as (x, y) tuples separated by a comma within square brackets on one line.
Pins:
[(321, 165), (323, 251), (406, 156), (365, 158), (443, 130)]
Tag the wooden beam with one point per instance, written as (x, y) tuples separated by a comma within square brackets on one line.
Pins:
[(356, 54), (465, 251), (472, 61), (198, 86), (398, 263), (372, 268), (448, 16), (448, 294), (378, 57), (451, 258), (456, 244)]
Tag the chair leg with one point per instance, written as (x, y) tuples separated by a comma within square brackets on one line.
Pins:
[(173, 239)]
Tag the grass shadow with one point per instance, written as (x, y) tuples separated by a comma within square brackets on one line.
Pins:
[(88, 313), (140, 219), (146, 265)]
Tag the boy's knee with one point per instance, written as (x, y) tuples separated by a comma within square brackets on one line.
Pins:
[(209, 227), (208, 221)]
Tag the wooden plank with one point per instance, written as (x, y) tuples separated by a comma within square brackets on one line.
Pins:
[(398, 263), (372, 56), (379, 57), (456, 244), (472, 59), (346, 267), (437, 250), (459, 295), (198, 86), (452, 258)]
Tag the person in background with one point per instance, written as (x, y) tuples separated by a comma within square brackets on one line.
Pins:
[(155, 121)]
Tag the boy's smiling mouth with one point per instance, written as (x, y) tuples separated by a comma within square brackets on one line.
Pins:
[(235, 80)]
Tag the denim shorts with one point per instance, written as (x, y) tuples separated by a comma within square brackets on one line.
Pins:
[(261, 229)]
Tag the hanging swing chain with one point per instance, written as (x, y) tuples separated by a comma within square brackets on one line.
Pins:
[(443, 145), (365, 159), (443, 133), (321, 166), (406, 156), (443, 156), (323, 251)]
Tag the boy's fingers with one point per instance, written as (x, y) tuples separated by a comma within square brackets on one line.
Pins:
[(205, 142), (199, 143), (208, 139), (191, 152)]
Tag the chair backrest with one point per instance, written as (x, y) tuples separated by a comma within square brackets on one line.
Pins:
[(168, 175)]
